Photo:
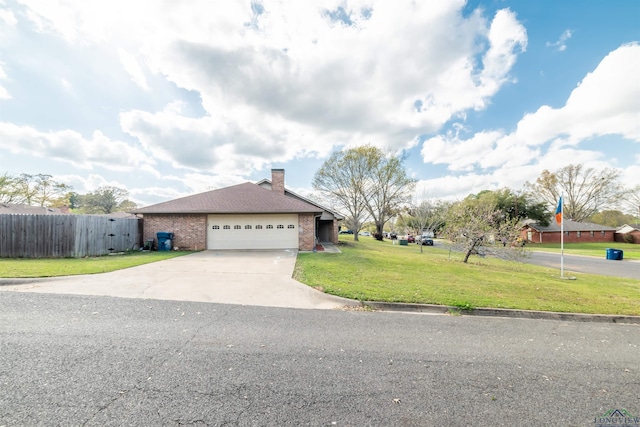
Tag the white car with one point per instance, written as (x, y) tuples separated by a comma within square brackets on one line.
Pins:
[(364, 233)]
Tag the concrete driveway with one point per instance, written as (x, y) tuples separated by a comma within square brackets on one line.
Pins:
[(262, 278)]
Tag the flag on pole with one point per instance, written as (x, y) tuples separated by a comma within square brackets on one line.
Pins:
[(559, 212)]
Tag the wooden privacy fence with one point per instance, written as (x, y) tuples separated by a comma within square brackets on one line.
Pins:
[(52, 236)]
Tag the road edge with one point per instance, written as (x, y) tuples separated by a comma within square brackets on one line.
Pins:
[(500, 312)]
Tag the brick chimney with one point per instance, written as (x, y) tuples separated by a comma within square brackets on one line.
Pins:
[(277, 181)]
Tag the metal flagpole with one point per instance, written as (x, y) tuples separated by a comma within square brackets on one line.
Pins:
[(562, 247), (560, 222), (561, 237)]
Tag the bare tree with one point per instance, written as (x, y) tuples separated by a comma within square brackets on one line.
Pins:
[(26, 189), (478, 227), (8, 191), (37, 190), (365, 180), (341, 179), (428, 215), (630, 202), (585, 190), (387, 189), (48, 190)]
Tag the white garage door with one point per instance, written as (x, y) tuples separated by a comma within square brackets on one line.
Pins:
[(279, 231)]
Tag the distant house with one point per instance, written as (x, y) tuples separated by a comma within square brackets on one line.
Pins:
[(574, 232), (8, 208), (628, 234)]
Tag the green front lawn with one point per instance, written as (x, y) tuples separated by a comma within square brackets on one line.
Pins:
[(379, 271), (50, 267), (630, 250)]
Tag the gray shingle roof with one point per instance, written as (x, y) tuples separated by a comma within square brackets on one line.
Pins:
[(570, 225), (241, 198), (7, 208), (266, 183)]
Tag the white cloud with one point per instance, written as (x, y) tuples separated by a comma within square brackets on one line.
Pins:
[(132, 66), (294, 79), (66, 84), (561, 44), (4, 93), (7, 17), (70, 146), (606, 102), (455, 187), (86, 184), (456, 153), (507, 38)]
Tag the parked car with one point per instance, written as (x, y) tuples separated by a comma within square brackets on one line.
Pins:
[(365, 233), (345, 232), (410, 238), (426, 241)]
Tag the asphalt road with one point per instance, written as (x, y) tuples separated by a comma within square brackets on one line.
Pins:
[(578, 264), (89, 360), (584, 264)]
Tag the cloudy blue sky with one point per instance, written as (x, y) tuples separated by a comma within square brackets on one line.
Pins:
[(168, 98)]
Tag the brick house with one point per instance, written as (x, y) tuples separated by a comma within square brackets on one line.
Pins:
[(628, 234), (574, 232), (245, 216)]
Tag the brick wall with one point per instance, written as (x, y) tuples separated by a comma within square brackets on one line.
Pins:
[(570, 237), (334, 234), (306, 238), (277, 181), (190, 231)]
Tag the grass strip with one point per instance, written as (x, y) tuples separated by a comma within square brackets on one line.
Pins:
[(52, 267), (379, 271)]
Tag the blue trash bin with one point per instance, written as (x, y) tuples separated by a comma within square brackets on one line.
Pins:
[(617, 254), (609, 253), (165, 240)]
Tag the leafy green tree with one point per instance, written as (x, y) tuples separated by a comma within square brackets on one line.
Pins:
[(586, 190), (70, 199), (611, 218), (106, 200), (519, 206)]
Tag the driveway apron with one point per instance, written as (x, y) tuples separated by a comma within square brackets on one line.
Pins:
[(262, 278)]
